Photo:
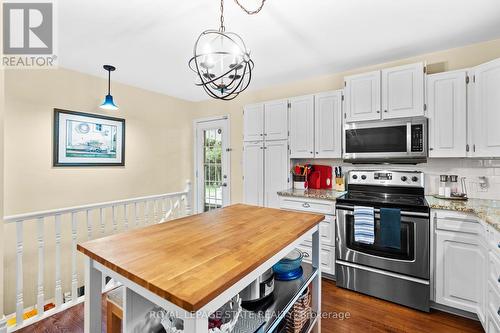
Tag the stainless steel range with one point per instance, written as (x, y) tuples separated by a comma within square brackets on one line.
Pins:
[(400, 274)]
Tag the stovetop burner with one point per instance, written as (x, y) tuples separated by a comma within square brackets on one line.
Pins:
[(392, 189)]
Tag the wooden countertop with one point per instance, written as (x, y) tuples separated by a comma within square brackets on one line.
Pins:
[(190, 261)]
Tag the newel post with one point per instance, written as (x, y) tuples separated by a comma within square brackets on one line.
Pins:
[(189, 197)]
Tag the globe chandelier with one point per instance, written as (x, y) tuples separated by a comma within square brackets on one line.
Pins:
[(222, 61)]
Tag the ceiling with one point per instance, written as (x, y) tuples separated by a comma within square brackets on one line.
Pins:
[(151, 41)]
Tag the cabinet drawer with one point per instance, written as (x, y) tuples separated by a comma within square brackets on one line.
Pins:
[(494, 302), (327, 257), (451, 223), (494, 270), (327, 230), (308, 205)]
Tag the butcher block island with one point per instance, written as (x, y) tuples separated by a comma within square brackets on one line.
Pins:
[(192, 266)]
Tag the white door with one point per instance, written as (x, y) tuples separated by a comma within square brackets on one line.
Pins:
[(447, 110), (212, 164), (485, 114), (276, 171), (302, 127), (328, 124), (460, 271), (362, 97), (253, 122), (276, 120), (403, 91), (253, 173)]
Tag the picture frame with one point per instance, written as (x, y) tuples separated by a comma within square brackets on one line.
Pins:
[(87, 140)]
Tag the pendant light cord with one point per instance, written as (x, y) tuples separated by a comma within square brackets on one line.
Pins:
[(109, 82), (222, 27), (251, 12)]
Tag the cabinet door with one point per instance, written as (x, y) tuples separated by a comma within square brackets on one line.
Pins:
[(447, 106), (302, 127), (485, 115), (328, 125), (253, 122), (253, 173), (276, 120), (362, 97), (403, 91), (461, 272), (276, 171)]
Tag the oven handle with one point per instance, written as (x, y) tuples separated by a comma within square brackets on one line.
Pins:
[(376, 210)]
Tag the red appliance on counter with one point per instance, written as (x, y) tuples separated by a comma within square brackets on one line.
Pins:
[(320, 177)]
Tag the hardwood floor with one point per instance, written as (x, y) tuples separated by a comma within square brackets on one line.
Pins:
[(366, 314)]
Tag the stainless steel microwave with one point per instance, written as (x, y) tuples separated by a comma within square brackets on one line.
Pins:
[(387, 141)]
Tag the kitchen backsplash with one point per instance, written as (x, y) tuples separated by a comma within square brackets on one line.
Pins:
[(471, 169)]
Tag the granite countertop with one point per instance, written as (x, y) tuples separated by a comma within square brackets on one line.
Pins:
[(312, 193), (487, 210)]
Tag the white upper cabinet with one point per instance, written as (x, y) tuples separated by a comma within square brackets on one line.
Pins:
[(328, 124), (253, 179), (276, 171), (447, 110), (253, 122), (276, 120), (484, 116), (403, 91), (362, 97), (302, 127)]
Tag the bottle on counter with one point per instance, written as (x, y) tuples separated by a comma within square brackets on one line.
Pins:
[(443, 182)]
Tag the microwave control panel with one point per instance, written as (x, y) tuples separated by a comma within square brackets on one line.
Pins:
[(417, 138)]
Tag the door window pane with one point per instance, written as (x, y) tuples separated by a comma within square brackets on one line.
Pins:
[(212, 165)]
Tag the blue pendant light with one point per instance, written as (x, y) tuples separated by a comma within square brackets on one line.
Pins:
[(108, 103)]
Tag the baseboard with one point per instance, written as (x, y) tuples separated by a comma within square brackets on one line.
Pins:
[(328, 276), (458, 312)]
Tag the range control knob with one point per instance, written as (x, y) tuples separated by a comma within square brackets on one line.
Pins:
[(363, 177), (404, 178), (414, 178), (354, 176)]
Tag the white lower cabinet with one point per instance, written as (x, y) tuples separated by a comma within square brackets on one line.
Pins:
[(327, 228), (466, 256)]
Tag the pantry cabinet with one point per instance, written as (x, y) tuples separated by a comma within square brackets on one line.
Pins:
[(276, 174), (265, 172), (253, 179), (447, 111), (484, 115), (267, 121), (328, 125), (362, 97), (302, 127), (403, 91)]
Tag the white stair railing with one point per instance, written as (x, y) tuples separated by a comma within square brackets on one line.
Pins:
[(154, 210)]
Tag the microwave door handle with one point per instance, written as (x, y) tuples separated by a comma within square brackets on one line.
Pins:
[(408, 138)]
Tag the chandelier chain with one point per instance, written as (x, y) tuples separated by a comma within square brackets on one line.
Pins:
[(251, 12), (222, 27)]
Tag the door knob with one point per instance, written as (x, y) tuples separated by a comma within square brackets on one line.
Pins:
[(224, 184)]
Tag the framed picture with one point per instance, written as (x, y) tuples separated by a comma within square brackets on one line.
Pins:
[(85, 139)]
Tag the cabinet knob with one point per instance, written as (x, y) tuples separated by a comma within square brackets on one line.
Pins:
[(431, 148), (498, 245), (311, 152), (306, 205), (378, 111), (385, 110), (317, 153), (498, 279), (498, 311)]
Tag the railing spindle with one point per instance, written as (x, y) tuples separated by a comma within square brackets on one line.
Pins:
[(74, 275), (102, 220), (40, 299), (113, 218), (189, 209), (136, 214), (163, 210), (125, 216), (58, 286), (19, 273), (89, 224), (146, 212)]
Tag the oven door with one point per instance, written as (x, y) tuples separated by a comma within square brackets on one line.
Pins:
[(385, 141), (411, 259)]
